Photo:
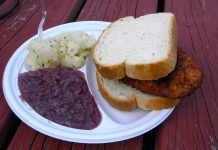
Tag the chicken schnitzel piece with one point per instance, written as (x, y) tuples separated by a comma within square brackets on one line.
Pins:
[(186, 78)]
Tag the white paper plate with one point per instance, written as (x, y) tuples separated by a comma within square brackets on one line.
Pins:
[(115, 125)]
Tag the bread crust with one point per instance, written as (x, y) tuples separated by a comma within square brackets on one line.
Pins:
[(114, 72), (151, 71), (155, 103), (136, 100), (120, 104)]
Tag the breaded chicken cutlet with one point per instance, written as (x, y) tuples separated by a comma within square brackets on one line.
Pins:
[(186, 77)]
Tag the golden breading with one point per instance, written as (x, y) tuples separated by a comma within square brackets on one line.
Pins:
[(186, 78)]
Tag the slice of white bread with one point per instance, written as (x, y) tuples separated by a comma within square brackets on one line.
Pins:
[(143, 48), (126, 98)]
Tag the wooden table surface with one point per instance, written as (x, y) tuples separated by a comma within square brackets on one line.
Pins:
[(194, 122)]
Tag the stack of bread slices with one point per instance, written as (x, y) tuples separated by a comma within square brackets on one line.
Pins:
[(143, 48)]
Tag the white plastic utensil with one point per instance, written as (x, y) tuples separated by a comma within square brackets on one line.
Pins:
[(40, 27)]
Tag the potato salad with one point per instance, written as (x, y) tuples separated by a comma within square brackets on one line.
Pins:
[(67, 49)]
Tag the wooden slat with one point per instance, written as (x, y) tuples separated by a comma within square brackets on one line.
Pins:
[(51, 143), (16, 29), (63, 145), (23, 139), (91, 146), (135, 143), (146, 7), (98, 10), (27, 138), (106, 10), (7, 129), (194, 124), (38, 141)]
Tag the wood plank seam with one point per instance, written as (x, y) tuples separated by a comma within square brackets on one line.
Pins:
[(77, 11), (160, 5), (33, 140), (135, 13)]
